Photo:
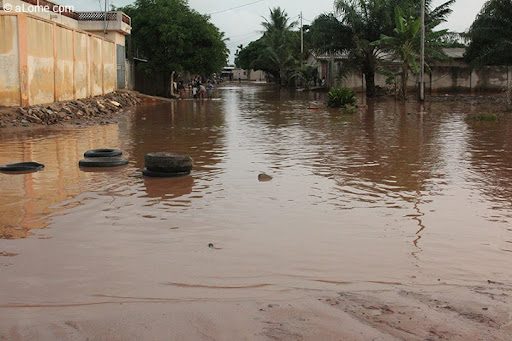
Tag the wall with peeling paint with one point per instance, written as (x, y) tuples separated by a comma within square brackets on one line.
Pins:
[(42, 62), (9, 65)]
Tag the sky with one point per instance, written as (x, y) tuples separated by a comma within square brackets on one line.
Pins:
[(243, 24)]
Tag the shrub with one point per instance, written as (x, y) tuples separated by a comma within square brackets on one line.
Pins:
[(341, 97)]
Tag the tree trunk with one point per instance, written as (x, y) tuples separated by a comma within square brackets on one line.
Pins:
[(370, 83), (405, 77)]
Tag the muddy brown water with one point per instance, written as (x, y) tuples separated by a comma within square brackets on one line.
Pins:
[(384, 196)]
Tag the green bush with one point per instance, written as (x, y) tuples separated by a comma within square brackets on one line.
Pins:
[(341, 97)]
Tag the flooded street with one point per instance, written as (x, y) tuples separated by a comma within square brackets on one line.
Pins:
[(364, 211)]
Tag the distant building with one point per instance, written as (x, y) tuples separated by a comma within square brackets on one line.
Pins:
[(50, 53)]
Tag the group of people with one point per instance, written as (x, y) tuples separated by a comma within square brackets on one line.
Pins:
[(197, 87)]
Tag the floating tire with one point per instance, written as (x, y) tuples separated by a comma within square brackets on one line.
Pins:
[(21, 167), (156, 174), (102, 162), (168, 163), (103, 152)]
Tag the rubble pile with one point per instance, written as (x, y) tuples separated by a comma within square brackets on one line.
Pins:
[(95, 110)]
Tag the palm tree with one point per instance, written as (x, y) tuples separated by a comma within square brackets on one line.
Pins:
[(278, 39), (404, 45), (370, 19), (367, 20), (278, 21)]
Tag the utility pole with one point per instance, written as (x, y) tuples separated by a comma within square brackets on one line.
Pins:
[(301, 41), (422, 62)]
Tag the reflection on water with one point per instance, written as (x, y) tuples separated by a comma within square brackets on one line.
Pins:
[(391, 180)]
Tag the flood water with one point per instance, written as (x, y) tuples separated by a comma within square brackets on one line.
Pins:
[(386, 195)]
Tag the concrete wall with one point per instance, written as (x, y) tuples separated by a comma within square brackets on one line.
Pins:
[(109, 66), (9, 63), (42, 62), (448, 77)]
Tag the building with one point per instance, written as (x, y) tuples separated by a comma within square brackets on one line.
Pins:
[(50, 53)]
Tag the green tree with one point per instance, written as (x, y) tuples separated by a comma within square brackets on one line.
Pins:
[(279, 56), (175, 38), (328, 34), (491, 37), (404, 46), (368, 20)]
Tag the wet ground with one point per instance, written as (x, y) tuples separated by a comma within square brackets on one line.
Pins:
[(384, 224)]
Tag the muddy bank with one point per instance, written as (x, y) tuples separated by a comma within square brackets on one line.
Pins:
[(95, 110), (329, 311)]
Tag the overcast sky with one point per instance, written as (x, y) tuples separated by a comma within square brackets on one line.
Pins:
[(242, 25)]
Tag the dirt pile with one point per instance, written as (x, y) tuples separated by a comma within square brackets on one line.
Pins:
[(95, 110)]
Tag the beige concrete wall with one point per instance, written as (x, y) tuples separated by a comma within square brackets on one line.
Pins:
[(42, 62), (81, 67), (112, 36), (9, 62), (95, 67), (109, 67), (64, 64)]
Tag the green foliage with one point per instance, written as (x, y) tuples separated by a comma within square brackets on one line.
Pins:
[(174, 37), (307, 74), (491, 35), (368, 20), (404, 45), (277, 52), (328, 34), (341, 97)]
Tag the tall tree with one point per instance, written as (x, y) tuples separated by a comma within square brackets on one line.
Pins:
[(175, 38), (369, 19), (491, 35), (404, 46), (279, 55)]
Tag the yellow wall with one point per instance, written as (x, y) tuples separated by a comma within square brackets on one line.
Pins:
[(64, 68), (95, 66), (9, 64), (46, 62), (109, 66), (81, 69), (40, 61)]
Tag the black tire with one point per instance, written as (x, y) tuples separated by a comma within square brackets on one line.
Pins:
[(22, 167), (154, 174), (103, 152), (102, 162), (168, 162)]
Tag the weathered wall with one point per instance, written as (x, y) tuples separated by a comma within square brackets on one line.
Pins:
[(9, 62), (109, 67), (46, 62), (449, 77), (95, 67), (40, 61), (64, 64), (81, 67)]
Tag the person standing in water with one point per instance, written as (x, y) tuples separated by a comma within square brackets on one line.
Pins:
[(209, 90)]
